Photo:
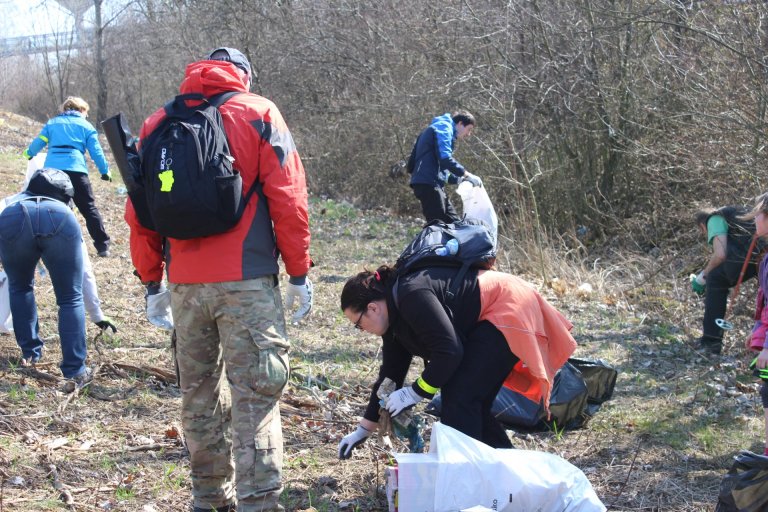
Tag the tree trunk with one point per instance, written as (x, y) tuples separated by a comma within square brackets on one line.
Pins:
[(100, 64)]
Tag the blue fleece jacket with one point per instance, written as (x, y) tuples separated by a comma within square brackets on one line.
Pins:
[(433, 162), (68, 136)]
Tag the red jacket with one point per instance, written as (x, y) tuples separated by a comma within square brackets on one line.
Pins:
[(275, 222)]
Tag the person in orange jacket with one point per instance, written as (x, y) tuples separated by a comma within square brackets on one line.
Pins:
[(496, 330)]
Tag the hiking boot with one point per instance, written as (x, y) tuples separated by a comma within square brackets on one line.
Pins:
[(710, 345), (83, 378), (104, 253), (225, 508)]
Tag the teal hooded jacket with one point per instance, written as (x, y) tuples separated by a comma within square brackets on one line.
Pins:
[(68, 136)]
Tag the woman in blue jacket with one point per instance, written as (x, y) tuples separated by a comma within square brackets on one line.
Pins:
[(68, 136)]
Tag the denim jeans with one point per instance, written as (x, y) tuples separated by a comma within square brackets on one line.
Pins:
[(44, 228)]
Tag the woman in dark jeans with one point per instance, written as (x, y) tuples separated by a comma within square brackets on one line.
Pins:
[(38, 223)]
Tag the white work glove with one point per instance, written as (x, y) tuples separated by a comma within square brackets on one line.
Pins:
[(474, 180), (401, 400), (701, 278), (303, 292), (159, 310), (352, 441)]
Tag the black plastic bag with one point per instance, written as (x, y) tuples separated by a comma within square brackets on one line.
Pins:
[(745, 487), (599, 377), (512, 409), (567, 405), (517, 411), (568, 400)]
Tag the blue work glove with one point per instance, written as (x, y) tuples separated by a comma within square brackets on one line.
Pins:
[(351, 441), (698, 283), (303, 292), (401, 400)]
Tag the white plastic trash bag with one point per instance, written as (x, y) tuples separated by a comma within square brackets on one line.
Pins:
[(35, 163), (6, 321), (471, 473), (477, 205)]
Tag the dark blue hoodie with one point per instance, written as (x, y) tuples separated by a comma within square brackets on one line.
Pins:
[(433, 162)]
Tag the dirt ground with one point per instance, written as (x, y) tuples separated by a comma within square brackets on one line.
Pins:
[(663, 443)]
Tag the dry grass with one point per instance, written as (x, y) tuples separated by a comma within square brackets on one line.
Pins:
[(662, 443)]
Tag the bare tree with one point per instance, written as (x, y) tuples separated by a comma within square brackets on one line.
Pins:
[(618, 116)]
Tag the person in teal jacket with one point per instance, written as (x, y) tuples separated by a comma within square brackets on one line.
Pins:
[(68, 136)]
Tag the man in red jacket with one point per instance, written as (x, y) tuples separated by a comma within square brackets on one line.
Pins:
[(225, 298)]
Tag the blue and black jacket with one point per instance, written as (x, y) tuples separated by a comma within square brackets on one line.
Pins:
[(68, 136), (432, 156)]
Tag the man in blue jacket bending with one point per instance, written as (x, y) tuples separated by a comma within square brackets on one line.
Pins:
[(432, 164)]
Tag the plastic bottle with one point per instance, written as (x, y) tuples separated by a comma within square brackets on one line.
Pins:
[(450, 248)]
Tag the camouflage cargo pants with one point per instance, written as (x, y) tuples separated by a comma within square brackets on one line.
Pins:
[(235, 440)]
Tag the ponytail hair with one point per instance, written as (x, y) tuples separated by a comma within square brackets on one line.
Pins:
[(366, 287)]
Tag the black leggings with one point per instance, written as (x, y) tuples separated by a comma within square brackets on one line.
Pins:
[(86, 204), (468, 396), (719, 282)]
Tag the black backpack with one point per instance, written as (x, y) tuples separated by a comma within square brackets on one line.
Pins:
[(740, 234), (476, 249), (410, 165), (411, 162), (189, 182)]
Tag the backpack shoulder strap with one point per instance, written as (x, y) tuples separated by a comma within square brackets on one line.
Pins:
[(394, 290), (178, 107), (457, 279), (218, 100)]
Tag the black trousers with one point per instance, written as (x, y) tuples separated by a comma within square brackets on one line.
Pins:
[(86, 204), (719, 282), (468, 396), (435, 204)]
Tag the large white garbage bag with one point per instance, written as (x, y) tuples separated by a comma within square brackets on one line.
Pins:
[(477, 205), (505, 480), (35, 163), (6, 321)]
